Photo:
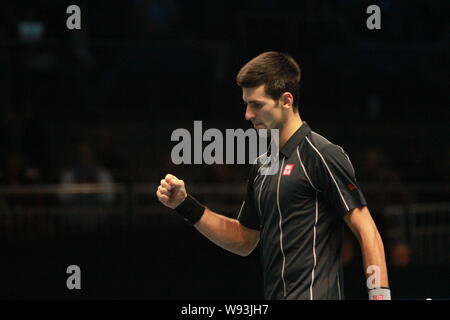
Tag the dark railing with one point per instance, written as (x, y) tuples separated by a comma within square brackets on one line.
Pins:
[(70, 209)]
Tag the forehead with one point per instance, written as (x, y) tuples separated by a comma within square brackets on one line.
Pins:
[(254, 93)]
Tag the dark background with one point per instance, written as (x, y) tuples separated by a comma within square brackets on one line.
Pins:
[(77, 105)]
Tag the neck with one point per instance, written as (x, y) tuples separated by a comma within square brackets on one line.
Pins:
[(291, 126)]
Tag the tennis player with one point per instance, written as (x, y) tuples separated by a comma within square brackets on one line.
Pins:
[(297, 215)]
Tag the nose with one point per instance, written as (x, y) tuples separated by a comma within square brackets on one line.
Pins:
[(249, 115)]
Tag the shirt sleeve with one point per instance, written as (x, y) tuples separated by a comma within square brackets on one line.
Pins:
[(248, 215), (334, 177)]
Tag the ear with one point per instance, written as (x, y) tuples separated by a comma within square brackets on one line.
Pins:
[(287, 100)]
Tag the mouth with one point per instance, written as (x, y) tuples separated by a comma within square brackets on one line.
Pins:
[(258, 125)]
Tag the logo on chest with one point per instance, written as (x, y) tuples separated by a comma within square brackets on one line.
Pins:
[(288, 169)]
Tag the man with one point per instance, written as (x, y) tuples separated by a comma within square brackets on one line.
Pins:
[(297, 214)]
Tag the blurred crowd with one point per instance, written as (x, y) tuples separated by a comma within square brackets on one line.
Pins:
[(32, 155), (29, 158), (95, 105), (98, 106)]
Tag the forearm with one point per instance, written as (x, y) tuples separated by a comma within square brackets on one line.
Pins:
[(373, 255), (225, 232)]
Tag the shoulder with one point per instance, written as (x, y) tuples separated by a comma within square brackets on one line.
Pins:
[(321, 152), (318, 146)]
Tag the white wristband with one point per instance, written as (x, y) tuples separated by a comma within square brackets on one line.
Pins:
[(380, 294)]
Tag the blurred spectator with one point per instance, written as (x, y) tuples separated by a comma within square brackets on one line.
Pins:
[(11, 128), (376, 169), (16, 171), (157, 18), (112, 157), (401, 255), (36, 142), (416, 158), (439, 169), (22, 135), (86, 170), (382, 186)]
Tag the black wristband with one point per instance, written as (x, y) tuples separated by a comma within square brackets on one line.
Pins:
[(190, 209)]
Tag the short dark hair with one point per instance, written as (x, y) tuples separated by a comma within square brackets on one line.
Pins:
[(278, 71)]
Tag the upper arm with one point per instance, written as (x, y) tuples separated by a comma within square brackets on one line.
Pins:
[(333, 175), (360, 221)]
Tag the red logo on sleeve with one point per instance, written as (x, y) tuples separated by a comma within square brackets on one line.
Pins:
[(351, 187), (378, 297), (288, 169)]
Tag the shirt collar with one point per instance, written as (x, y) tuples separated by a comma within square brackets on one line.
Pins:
[(295, 140)]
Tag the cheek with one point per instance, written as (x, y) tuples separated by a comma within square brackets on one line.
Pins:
[(270, 115), (277, 115)]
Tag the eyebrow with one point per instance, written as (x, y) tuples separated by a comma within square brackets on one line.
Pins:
[(254, 102)]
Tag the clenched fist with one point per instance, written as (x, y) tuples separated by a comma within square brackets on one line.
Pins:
[(171, 191)]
